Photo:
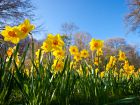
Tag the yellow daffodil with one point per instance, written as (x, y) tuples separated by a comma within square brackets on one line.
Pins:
[(56, 41), (47, 46), (96, 44), (57, 66), (96, 71), (11, 34), (102, 74), (77, 57), (97, 60), (73, 50), (25, 28), (129, 69), (126, 65), (122, 56), (84, 53), (10, 51), (111, 62), (59, 54), (99, 52)]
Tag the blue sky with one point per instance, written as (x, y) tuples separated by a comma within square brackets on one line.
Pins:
[(103, 19)]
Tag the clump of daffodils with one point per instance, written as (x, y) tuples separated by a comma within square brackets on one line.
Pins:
[(55, 45), (17, 33), (78, 55), (81, 61)]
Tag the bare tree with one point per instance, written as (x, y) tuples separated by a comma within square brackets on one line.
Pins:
[(115, 43), (81, 39), (14, 11), (68, 30), (133, 17)]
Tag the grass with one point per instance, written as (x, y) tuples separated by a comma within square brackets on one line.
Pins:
[(42, 87)]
